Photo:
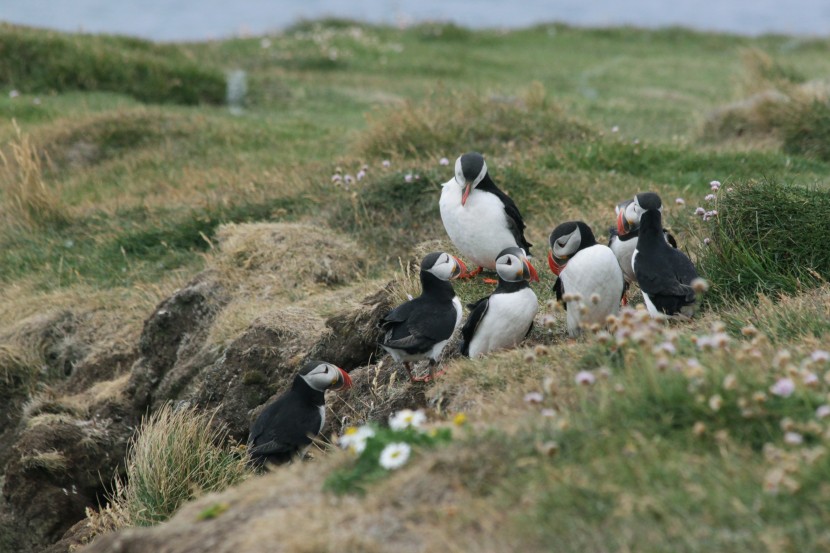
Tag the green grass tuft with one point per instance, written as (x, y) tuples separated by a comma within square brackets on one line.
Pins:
[(37, 61), (768, 238), (176, 455)]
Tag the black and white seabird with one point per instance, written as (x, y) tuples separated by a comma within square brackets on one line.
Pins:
[(664, 273), (420, 328), (623, 237), (480, 219), (504, 318), (285, 428), (590, 282)]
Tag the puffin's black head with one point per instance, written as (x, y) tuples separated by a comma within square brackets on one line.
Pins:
[(442, 265), (470, 169), (567, 239), (512, 265), (629, 211), (651, 222), (322, 376)]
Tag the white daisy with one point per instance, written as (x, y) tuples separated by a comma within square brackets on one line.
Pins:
[(395, 455), (406, 418), (354, 439)]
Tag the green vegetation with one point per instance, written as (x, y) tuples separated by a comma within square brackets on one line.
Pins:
[(42, 62), (681, 446), (767, 238), (176, 455)]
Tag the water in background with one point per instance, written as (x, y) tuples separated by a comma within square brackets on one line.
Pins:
[(206, 19)]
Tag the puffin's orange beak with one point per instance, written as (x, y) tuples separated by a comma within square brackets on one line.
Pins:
[(467, 189), (554, 268), (621, 223), (347, 380), (534, 276), (462, 269)]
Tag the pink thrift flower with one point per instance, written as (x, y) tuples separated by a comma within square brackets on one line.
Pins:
[(585, 378), (783, 388)]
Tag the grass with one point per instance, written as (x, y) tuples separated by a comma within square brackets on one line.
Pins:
[(176, 455), (42, 62), (113, 203), (768, 238)]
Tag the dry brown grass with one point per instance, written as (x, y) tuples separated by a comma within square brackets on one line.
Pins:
[(28, 200), (273, 265), (52, 461)]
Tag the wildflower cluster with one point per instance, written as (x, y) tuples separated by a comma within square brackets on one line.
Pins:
[(728, 388), (379, 450)]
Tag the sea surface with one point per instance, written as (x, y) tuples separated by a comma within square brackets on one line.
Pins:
[(182, 20)]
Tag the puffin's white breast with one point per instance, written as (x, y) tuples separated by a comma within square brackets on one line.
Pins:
[(624, 250), (506, 322), (479, 228), (592, 271)]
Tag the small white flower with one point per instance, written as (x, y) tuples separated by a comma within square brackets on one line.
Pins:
[(407, 177), (700, 211), (354, 439), (534, 397), (810, 379), (707, 241), (549, 413), (348, 179), (823, 411), (714, 185), (443, 161), (395, 455), (14, 94), (709, 197), (336, 178), (783, 388), (386, 163), (793, 438), (820, 356), (406, 418), (361, 174), (680, 201), (615, 128), (585, 378)]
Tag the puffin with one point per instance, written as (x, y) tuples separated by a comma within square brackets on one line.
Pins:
[(664, 273), (480, 219), (285, 428), (504, 318), (590, 281), (420, 328), (623, 237)]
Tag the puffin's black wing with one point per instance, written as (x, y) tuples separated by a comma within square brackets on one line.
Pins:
[(282, 429), (477, 312), (557, 287), (669, 273), (515, 223), (417, 325)]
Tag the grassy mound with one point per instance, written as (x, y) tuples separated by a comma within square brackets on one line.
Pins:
[(807, 132), (768, 238), (452, 123), (36, 61)]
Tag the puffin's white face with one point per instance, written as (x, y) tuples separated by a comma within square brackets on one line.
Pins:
[(566, 245), (462, 180), (512, 267), (326, 376), (446, 267), (470, 170)]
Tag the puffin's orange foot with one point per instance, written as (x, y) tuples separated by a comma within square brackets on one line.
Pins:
[(433, 376), (489, 281), (471, 274)]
